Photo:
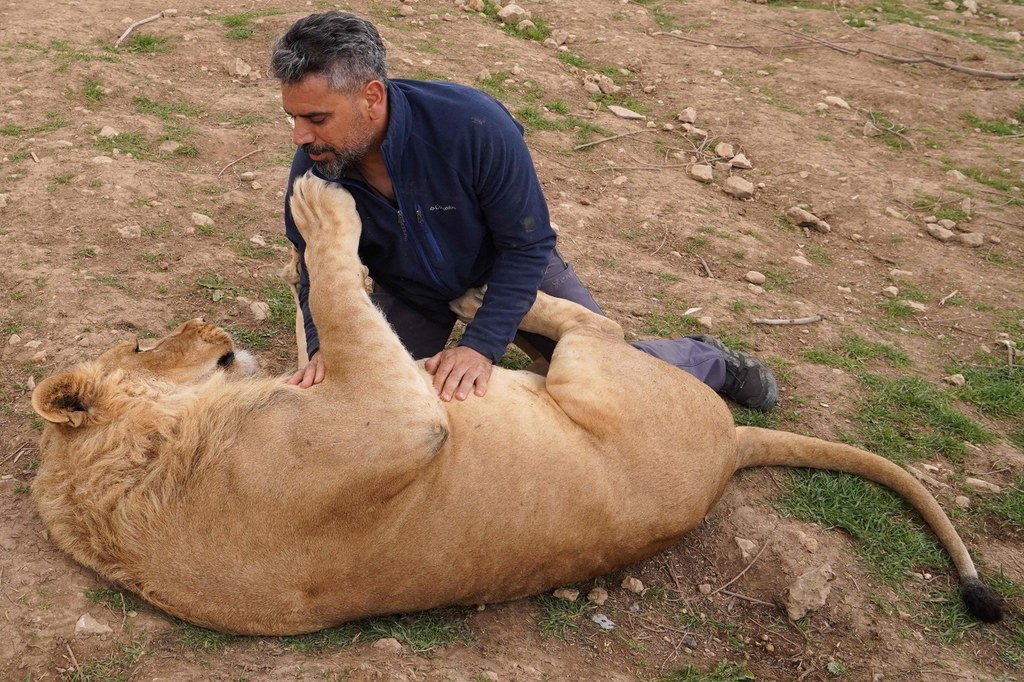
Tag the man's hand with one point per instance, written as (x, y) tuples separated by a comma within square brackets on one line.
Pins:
[(312, 373), (457, 371)]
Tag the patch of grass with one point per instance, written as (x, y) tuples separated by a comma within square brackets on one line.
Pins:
[(558, 107), (240, 25), (115, 599), (818, 255), (127, 143), (997, 390), (117, 666), (572, 60), (893, 134), (252, 339), (1017, 438), (889, 539), (93, 90), (999, 127), (896, 310), (663, 19), (515, 359), (1008, 504), (494, 85), (540, 30), (855, 351), (278, 296), (165, 111), (747, 417), (534, 119), (60, 181), (670, 324), (776, 280), (11, 130), (422, 633), (726, 671), (145, 43), (907, 418), (558, 616), (322, 641), (197, 639)]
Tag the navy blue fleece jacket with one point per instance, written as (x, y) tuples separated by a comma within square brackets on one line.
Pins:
[(469, 210)]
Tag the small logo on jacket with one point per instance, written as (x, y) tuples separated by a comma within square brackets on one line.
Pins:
[(439, 207)]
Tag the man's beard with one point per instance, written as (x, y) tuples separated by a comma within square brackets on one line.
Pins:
[(342, 161)]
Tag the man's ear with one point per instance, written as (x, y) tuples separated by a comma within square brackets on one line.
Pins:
[(375, 95), (64, 399)]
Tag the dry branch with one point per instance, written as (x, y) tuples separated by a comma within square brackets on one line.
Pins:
[(134, 26), (796, 320), (241, 158), (606, 139), (740, 574)]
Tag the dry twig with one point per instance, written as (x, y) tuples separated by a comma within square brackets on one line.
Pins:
[(241, 158), (744, 597), (134, 26), (948, 296), (740, 574), (796, 320), (607, 139), (707, 268)]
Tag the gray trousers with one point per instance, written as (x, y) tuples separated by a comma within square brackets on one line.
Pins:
[(424, 337)]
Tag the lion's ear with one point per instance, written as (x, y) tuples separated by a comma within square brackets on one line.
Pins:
[(64, 399)]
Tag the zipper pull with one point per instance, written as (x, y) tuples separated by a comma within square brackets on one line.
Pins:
[(419, 216), (401, 224)]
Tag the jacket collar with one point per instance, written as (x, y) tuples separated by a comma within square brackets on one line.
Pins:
[(399, 124)]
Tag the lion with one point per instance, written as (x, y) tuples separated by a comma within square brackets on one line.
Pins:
[(241, 504)]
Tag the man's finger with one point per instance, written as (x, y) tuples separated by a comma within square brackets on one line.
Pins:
[(451, 383), (481, 384)]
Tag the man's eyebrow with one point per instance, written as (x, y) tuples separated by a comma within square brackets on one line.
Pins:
[(311, 114)]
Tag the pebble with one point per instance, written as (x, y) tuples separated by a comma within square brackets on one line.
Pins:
[(954, 174), (101, 159), (804, 218), (201, 220), (739, 187), (931, 219), (389, 645), (130, 231), (755, 277), (260, 310), (87, 625), (916, 306), (962, 501), (701, 172), (982, 486), (837, 102), (890, 292), (746, 547), (724, 150), (14, 340), (688, 115), (623, 112), (4, 200), (512, 13), (972, 239), (169, 146), (108, 131), (566, 593), (598, 596), (947, 223), (704, 588), (940, 233), (896, 273), (621, 180), (893, 213), (632, 584), (800, 260), (741, 161), (955, 380)]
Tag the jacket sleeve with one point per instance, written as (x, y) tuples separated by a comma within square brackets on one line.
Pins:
[(300, 164), (515, 212)]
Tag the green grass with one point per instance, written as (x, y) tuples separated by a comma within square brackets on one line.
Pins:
[(115, 599), (558, 616), (776, 279), (893, 134), (240, 26), (515, 359), (994, 387), (1008, 504), (422, 633), (534, 119), (1017, 438), (541, 29), (494, 85), (117, 666), (726, 671), (278, 296), (999, 127), (572, 59), (144, 43), (322, 641), (855, 352), (196, 639), (896, 310), (889, 538), (907, 418), (93, 90), (127, 143), (165, 111), (670, 324)]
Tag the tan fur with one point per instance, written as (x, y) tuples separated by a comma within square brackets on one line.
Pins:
[(249, 506)]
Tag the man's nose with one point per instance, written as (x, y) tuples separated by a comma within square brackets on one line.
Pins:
[(303, 133)]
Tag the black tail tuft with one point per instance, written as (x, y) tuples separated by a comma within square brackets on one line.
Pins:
[(982, 601)]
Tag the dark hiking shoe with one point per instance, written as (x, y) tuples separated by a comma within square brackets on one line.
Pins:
[(748, 381)]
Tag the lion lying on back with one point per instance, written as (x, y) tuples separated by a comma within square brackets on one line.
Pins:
[(242, 504)]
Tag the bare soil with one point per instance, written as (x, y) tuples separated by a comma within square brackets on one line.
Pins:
[(646, 238)]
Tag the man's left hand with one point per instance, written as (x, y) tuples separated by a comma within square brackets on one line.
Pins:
[(459, 370)]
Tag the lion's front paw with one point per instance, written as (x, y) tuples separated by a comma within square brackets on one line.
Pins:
[(318, 206), (465, 306)]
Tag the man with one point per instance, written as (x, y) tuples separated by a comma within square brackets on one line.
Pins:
[(449, 200)]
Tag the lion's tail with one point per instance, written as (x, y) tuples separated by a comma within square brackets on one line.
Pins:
[(763, 447)]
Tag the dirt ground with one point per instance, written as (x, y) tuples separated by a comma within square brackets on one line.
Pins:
[(100, 245)]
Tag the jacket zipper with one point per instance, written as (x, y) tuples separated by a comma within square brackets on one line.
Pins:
[(435, 248)]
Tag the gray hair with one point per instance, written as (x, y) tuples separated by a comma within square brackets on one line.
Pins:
[(345, 49)]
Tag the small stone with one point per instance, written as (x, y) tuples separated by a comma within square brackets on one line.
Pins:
[(566, 593), (512, 14), (526, 25), (238, 67), (4, 200), (483, 75), (632, 584), (406, 10), (623, 112), (695, 133), (947, 223), (804, 218), (972, 239), (260, 310), (809, 592), (837, 102), (256, 185), (893, 213), (896, 273), (808, 543), (992, 238), (962, 501), (915, 306), (870, 130), (14, 340), (87, 625), (130, 231), (955, 380), (930, 219), (704, 588), (755, 277), (724, 150), (701, 172), (688, 115), (940, 233), (982, 486), (247, 176), (890, 292), (108, 132), (169, 146), (101, 159), (621, 180), (201, 220), (956, 175), (388, 645), (706, 322), (820, 106), (602, 621), (746, 547), (741, 161), (598, 596), (739, 187)]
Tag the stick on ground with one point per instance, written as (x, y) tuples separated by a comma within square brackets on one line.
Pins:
[(134, 26)]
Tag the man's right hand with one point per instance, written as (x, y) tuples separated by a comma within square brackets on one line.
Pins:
[(312, 373)]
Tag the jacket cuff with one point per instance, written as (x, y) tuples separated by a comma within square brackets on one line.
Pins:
[(489, 350)]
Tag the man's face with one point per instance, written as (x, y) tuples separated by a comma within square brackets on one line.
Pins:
[(330, 126)]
